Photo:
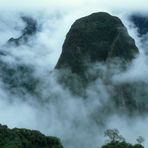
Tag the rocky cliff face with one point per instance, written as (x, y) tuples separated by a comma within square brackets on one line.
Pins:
[(23, 138), (98, 37)]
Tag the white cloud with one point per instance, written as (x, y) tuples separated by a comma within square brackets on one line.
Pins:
[(78, 4), (66, 116)]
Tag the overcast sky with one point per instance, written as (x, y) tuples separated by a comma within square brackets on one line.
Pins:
[(69, 4)]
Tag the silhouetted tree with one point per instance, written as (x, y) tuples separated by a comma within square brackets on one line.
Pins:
[(140, 140), (113, 135)]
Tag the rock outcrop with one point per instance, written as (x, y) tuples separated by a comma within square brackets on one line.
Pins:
[(27, 32), (141, 22), (98, 37), (23, 138)]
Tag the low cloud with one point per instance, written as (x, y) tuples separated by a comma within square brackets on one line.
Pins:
[(55, 111)]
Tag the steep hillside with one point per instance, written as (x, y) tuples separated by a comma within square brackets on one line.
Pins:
[(98, 37), (23, 138), (96, 41)]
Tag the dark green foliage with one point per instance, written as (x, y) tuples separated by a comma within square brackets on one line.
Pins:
[(118, 144), (117, 141), (23, 138)]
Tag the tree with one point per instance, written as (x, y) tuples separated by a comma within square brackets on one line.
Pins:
[(140, 140), (117, 141), (113, 135), (118, 144)]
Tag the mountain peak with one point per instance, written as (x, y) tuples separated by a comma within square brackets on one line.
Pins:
[(96, 38)]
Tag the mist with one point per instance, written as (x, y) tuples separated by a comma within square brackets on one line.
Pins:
[(55, 110)]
